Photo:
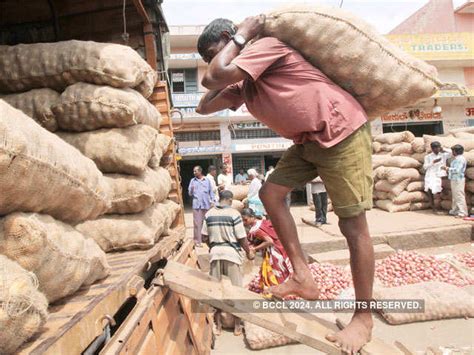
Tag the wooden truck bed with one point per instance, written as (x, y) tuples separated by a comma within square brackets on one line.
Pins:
[(75, 321)]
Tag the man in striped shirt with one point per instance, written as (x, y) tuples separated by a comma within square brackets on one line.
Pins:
[(227, 238)]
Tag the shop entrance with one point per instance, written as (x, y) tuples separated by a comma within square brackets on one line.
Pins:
[(186, 171), (417, 128)]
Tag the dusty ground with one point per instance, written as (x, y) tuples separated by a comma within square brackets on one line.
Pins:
[(385, 227)]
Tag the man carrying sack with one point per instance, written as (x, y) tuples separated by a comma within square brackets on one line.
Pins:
[(332, 140)]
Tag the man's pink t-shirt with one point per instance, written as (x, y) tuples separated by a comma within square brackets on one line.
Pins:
[(292, 97)]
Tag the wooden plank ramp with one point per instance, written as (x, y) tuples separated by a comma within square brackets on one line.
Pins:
[(75, 321), (303, 327)]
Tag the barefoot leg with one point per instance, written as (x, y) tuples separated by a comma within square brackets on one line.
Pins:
[(358, 332), (302, 284)]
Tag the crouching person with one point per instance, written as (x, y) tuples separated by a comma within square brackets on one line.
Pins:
[(227, 238)]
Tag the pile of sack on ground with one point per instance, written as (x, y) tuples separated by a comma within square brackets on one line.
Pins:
[(398, 169), (398, 172), (445, 283), (80, 173)]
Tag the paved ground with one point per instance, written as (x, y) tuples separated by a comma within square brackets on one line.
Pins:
[(448, 235)]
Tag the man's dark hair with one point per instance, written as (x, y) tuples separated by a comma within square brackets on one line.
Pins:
[(211, 168), (212, 33), (226, 195), (198, 167), (458, 149), (435, 144)]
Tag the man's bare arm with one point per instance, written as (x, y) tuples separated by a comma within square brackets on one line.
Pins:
[(213, 101)]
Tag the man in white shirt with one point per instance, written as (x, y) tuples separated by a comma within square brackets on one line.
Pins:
[(211, 176), (224, 180), (241, 177), (269, 172), (434, 171)]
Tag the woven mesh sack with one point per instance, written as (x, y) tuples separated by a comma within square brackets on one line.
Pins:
[(418, 206), (37, 105), (418, 145), (442, 301), (354, 56), (409, 197), (389, 206), (162, 145), (416, 186), (394, 189), (57, 65), (61, 258), (402, 148), (396, 162), (238, 205), (448, 142), (240, 191), (393, 138), (133, 194), (470, 173), (127, 232), (116, 150), (394, 175), (23, 309), (41, 173), (170, 210), (87, 107)]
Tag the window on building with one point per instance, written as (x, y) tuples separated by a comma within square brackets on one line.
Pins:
[(198, 136), (246, 163), (253, 134), (183, 81)]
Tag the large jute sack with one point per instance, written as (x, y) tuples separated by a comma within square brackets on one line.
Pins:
[(416, 186), (446, 205), (470, 173), (464, 135), (394, 189), (397, 162), (170, 210), (261, 338), (470, 186), (402, 148), (134, 194), (418, 206), (240, 191), (41, 173), (469, 129), (116, 150), (381, 195), (57, 65), (448, 142), (354, 56), (23, 309), (238, 205), (162, 145), (87, 107), (409, 197), (126, 232), (420, 157), (37, 105), (376, 147), (60, 256), (387, 148), (441, 301), (389, 206), (396, 137), (394, 175), (469, 158), (418, 145)]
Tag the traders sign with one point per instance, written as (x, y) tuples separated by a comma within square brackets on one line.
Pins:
[(262, 146), (411, 116)]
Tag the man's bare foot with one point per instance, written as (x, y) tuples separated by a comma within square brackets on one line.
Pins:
[(357, 333), (304, 287)]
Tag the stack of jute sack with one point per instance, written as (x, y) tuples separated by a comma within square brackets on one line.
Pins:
[(464, 137), (93, 186), (398, 179)]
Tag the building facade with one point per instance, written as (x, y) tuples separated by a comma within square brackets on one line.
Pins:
[(238, 139)]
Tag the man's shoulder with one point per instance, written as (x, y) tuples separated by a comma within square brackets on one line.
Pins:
[(268, 41)]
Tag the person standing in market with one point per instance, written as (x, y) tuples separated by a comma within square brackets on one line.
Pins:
[(241, 178), (211, 175), (253, 197), (434, 165), (320, 200), (225, 231), (332, 139), (269, 172), (456, 172), (224, 180), (200, 190)]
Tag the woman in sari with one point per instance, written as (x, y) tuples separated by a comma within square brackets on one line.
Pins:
[(276, 266)]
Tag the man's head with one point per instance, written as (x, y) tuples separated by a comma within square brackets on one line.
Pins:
[(241, 171), (197, 171), (212, 170), (225, 198), (435, 147), (226, 169), (214, 37), (457, 149), (248, 217), (252, 173)]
